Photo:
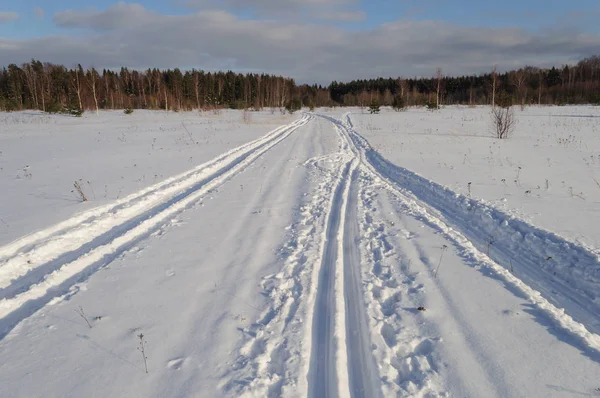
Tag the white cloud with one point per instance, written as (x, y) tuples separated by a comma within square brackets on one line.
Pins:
[(6, 16), (39, 12), (132, 36)]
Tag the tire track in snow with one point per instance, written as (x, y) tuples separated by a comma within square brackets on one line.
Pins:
[(22, 299)]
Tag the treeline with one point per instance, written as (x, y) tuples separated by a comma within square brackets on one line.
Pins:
[(575, 84), (54, 88)]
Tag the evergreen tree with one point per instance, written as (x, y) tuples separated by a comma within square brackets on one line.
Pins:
[(374, 108)]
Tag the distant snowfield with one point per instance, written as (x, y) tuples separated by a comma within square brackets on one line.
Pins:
[(550, 166), (325, 254), (113, 155)]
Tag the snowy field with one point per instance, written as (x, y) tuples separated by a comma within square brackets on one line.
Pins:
[(113, 155), (548, 173), (325, 254)]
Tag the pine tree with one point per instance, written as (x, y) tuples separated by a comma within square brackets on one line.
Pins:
[(374, 108)]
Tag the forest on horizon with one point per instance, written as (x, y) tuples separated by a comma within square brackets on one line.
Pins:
[(53, 88)]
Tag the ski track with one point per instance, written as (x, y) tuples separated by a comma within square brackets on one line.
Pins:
[(362, 369), (413, 194), (331, 326), (268, 356), (32, 251), (351, 335), (71, 251)]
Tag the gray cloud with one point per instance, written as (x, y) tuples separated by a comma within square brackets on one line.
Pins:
[(121, 14), (310, 53), (6, 16)]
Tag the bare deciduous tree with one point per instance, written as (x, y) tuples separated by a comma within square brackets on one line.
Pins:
[(92, 79), (518, 79), (503, 121), (494, 86), (439, 86)]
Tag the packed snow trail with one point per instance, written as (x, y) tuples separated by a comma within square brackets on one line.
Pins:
[(45, 265)]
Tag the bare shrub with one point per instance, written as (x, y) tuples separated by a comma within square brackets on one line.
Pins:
[(503, 122), (142, 349), (79, 191), (82, 314)]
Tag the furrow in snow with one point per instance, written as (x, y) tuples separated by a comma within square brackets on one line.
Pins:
[(30, 296)]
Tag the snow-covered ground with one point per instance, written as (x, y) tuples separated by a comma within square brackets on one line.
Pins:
[(548, 172), (300, 255), (112, 156)]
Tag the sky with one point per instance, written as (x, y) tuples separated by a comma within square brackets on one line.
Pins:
[(313, 41)]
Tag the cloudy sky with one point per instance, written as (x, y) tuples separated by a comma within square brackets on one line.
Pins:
[(310, 40)]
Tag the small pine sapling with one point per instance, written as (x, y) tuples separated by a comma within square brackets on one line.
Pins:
[(374, 108)]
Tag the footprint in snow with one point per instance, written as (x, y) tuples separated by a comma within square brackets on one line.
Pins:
[(176, 363)]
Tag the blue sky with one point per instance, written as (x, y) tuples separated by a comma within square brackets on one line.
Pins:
[(528, 14), (527, 31)]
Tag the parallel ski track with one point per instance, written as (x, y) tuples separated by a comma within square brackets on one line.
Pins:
[(325, 377), (587, 341), (341, 361), (45, 265)]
